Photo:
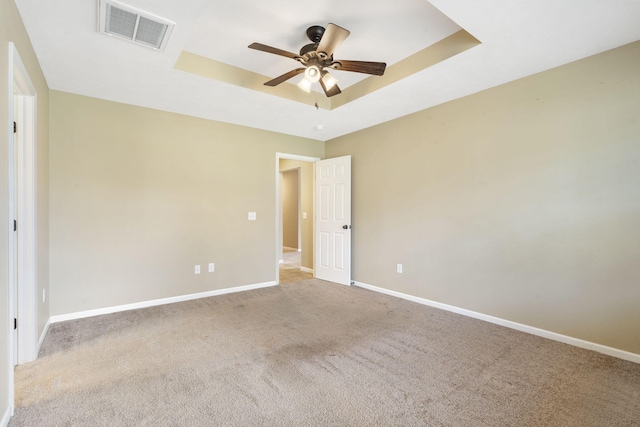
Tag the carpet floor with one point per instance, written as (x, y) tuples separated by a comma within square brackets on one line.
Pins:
[(315, 353), (290, 268)]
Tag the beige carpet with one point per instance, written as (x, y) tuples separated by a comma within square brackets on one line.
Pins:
[(315, 354), (290, 269)]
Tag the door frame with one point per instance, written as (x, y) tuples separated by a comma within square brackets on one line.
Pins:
[(278, 242), (23, 301)]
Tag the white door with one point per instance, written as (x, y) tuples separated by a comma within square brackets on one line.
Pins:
[(24, 298), (333, 220), (14, 235)]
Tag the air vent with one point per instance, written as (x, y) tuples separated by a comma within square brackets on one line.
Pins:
[(122, 21)]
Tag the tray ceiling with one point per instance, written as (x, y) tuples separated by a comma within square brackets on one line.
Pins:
[(207, 71)]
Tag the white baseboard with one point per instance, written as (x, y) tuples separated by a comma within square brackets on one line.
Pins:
[(44, 334), (609, 351), (306, 270), (4, 422), (153, 303)]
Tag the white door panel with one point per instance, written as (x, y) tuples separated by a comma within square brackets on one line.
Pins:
[(333, 220)]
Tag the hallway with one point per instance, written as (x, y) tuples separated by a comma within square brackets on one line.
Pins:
[(290, 269)]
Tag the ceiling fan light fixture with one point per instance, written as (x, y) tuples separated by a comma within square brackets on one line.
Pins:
[(329, 81), (312, 74), (305, 85)]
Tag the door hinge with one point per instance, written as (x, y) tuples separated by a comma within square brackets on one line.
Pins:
[(15, 323), (15, 225), (15, 127)]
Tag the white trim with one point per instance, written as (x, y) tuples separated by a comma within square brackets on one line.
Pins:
[(299, 212), (156, 302), (20, 76), (12, 245), (23, 98), (278, 203), (22, 297), (27, 253), (4, 422), (296, 157), (306, 270), (43, 335), (609, 351)]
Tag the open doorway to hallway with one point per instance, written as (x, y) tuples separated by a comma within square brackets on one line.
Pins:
[(295, 218), (290, 270)]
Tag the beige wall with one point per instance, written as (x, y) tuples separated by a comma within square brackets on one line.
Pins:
[(12, 30), (290, 196), (306, 206), (521, 202), (138, 197)]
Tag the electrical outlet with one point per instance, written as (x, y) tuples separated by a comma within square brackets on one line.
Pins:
[(399, 268), (197, 270), (212, 267), (252, 216)]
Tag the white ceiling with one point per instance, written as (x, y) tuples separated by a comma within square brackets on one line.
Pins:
[(518, 38)]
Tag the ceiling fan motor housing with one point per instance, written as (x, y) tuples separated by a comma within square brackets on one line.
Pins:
[(311, 47)]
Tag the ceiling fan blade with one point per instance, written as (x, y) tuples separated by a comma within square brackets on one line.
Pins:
[(274, 50), (335, 90), (332, 38), (375, 68), (284, 77)]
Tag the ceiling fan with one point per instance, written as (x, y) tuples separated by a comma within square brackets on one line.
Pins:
[(317, 57)]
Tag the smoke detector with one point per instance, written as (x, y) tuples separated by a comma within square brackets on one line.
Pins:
[(119, 20)]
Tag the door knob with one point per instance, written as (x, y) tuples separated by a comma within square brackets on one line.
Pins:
[(346, 227)]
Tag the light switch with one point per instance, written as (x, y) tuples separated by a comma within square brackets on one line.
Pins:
[(304, 215), (252, 216)]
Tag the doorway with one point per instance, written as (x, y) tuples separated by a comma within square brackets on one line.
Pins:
[(291, 208), (23, 302), (294, 217), (296, 201)]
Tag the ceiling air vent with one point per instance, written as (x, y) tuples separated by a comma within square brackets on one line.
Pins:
[(117, 19)]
